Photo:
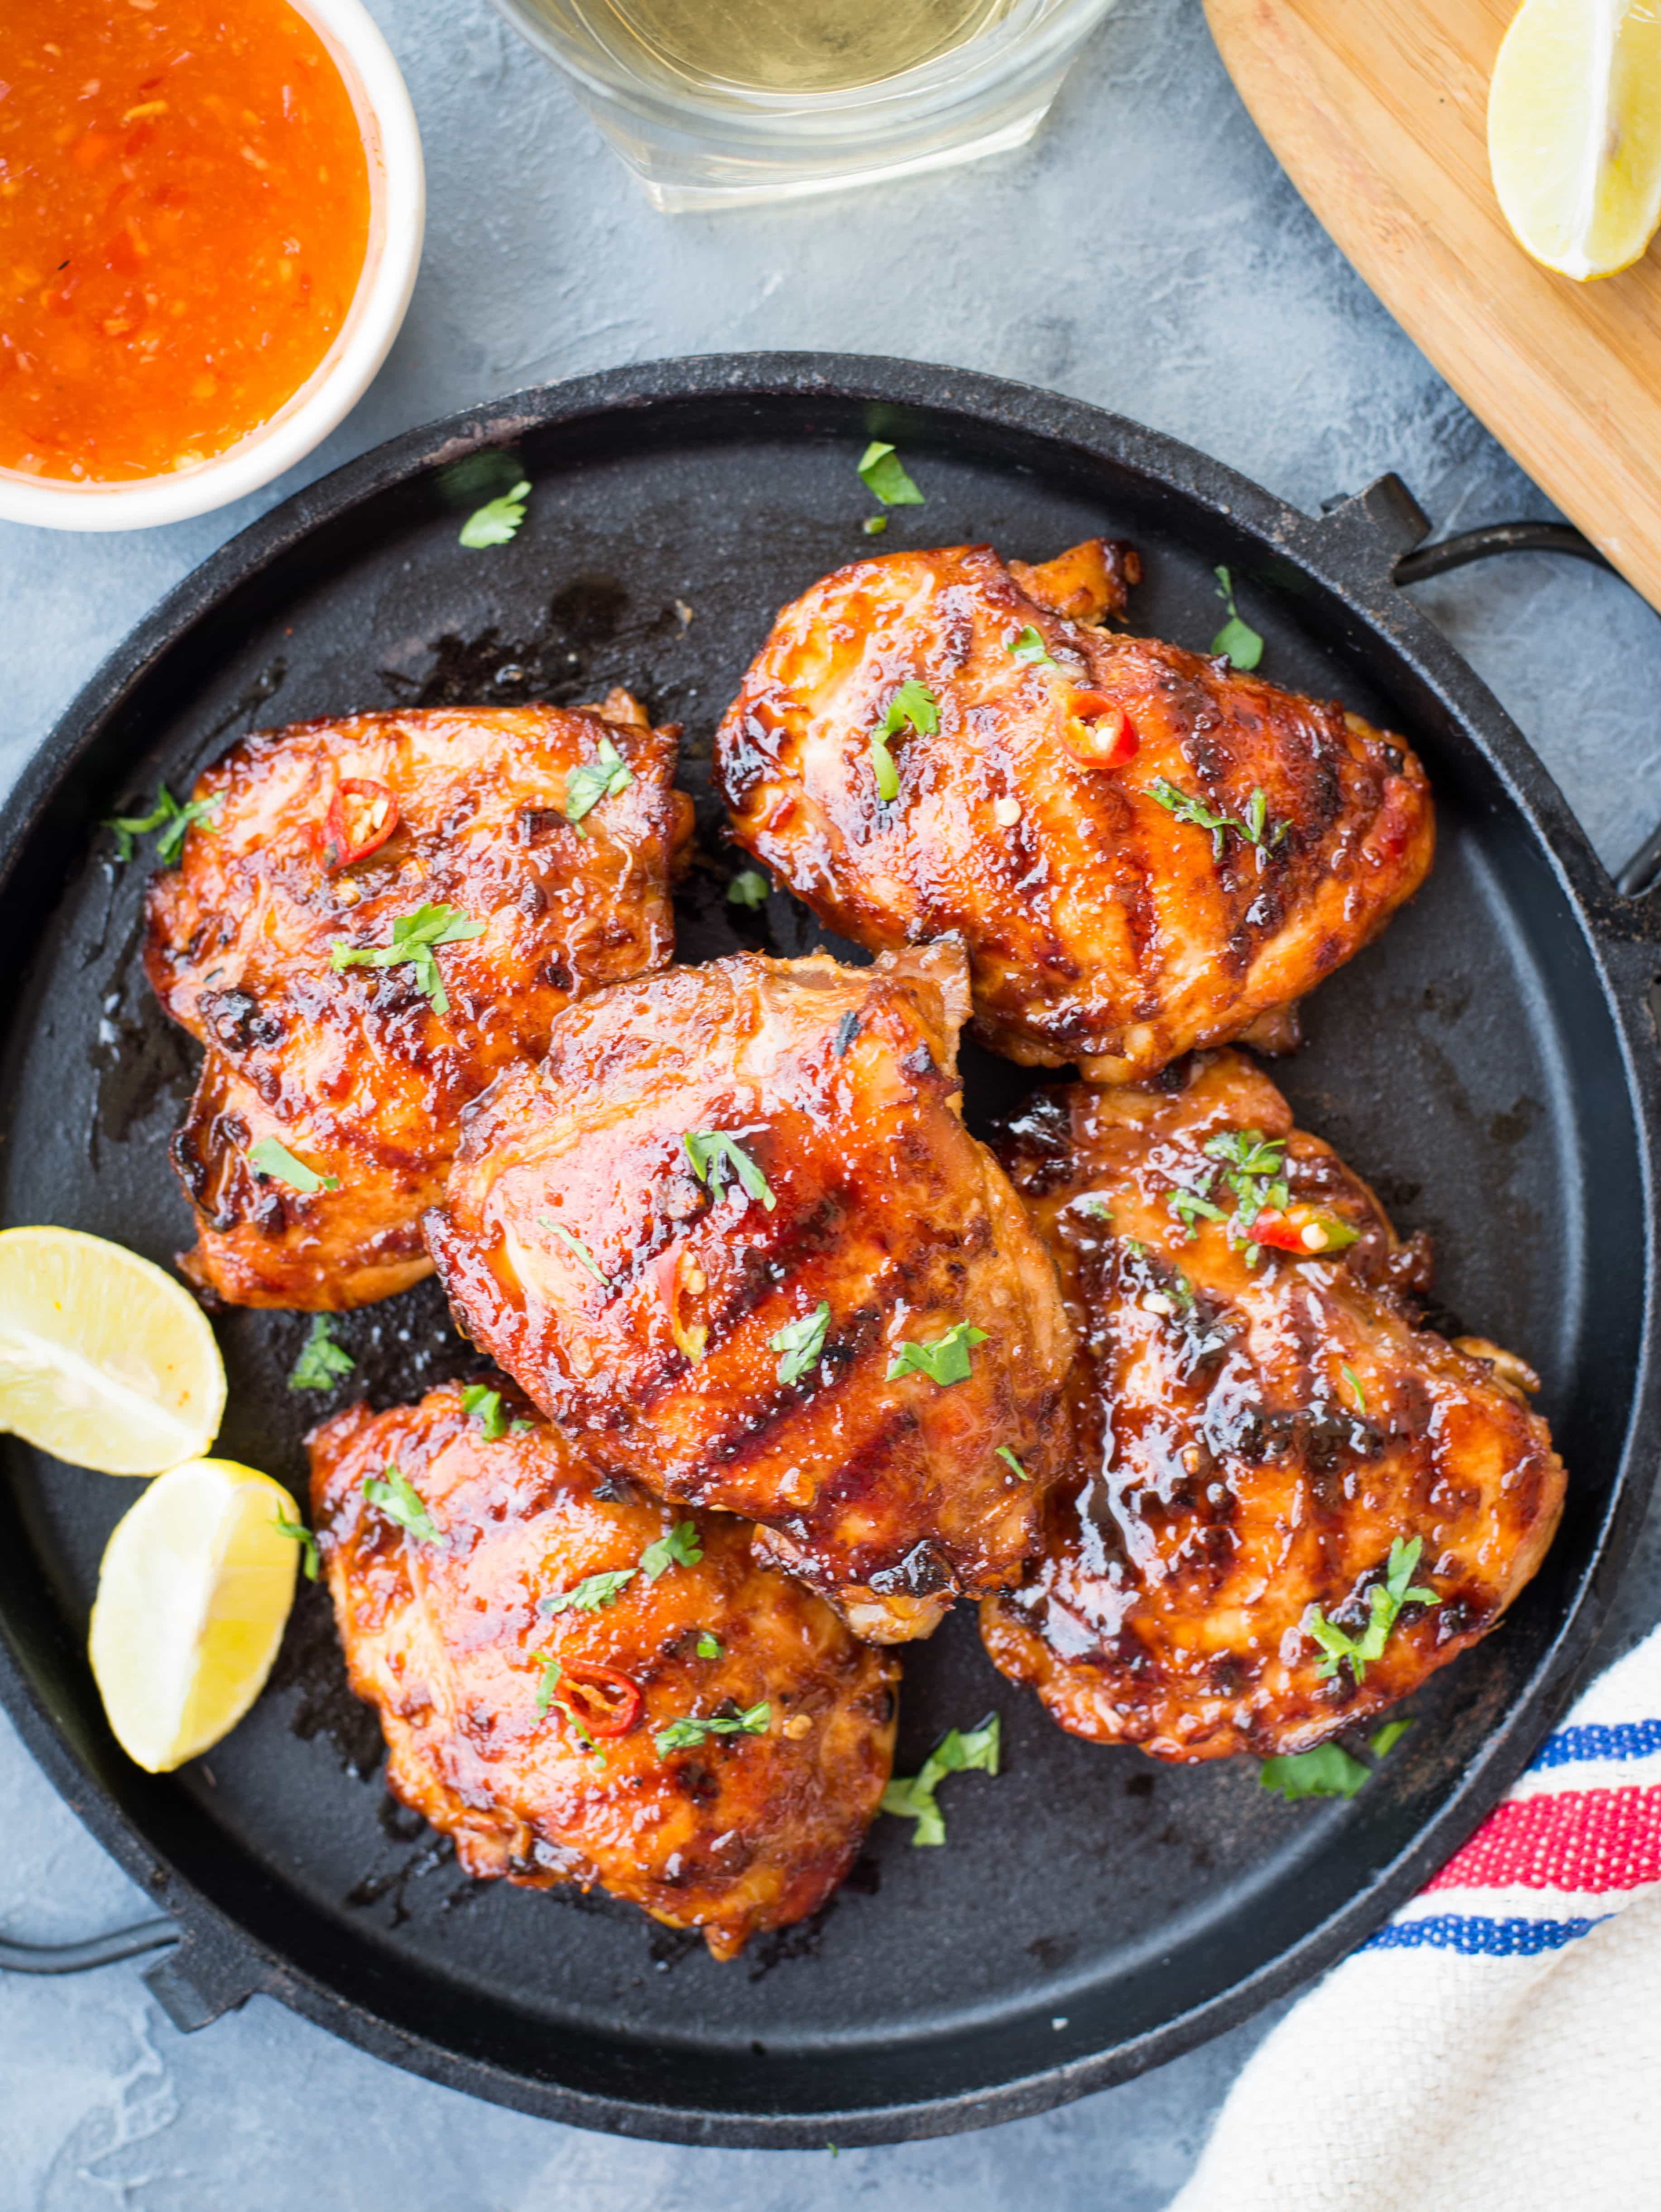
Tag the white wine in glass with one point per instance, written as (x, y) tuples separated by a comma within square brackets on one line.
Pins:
[(790, 45), (715, 102)]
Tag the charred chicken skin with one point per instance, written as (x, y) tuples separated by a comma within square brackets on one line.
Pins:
[(373, 917), (734, 1236), (541, 1645), (1294, 1503), (1144, 850)]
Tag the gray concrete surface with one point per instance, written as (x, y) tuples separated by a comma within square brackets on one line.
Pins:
[(1145, 254)]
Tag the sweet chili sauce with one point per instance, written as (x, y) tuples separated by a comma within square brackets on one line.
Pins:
[(183, 217)]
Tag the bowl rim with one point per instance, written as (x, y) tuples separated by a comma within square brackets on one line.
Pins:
[(392, 144)]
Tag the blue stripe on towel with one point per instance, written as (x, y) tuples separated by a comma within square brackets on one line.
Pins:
[(1622, 1740), (1475, 1936)]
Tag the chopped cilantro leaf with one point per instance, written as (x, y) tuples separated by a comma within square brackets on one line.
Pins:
[(883, 768), (497, 521), (1236, 640), (1385, 1599), (713, 1152), (592, 781), (959, 1751), (167, 818), (322, 1361), (799, 1343), (945, 1361), (686, 1734), (592, 1592), (681, 1547), (1328, 1771), (479, 1399), (1186, 808), (400, 1501), (748, 888), (1255, 1172), (913, 706), (883, 476), (306, 1541), (272, 1158), (1030, 646), (1248, 1149), (708, 1646), (576, 1245), (416, 938), (1191, 1207)]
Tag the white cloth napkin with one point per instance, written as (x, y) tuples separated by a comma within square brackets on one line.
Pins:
[(1496, 2047)]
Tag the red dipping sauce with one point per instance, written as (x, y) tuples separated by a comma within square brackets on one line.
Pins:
[(184, 219)]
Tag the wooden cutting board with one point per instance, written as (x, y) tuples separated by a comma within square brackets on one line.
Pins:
[(1378, 111)]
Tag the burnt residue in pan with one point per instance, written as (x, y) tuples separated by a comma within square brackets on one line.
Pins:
[(402, 1348), (140, 1060), (311, 1664), (588, 622), (394, 1881)]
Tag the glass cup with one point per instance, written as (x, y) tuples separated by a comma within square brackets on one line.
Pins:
[(713, 103)]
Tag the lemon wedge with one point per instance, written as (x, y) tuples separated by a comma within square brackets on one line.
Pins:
[(196, 1585), (105, 1360), (1574, 131)]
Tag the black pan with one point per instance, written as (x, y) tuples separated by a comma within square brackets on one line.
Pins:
[(1490, 1065)]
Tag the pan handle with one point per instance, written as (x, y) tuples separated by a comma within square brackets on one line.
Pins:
[(1643, 871), (194, 1981), (1468, 545), (98, 1951)]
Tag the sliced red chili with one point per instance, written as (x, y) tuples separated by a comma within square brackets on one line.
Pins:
[(605, 1702), (1309, 1231), (1101, 735), (362, 815), (1277, 1230)]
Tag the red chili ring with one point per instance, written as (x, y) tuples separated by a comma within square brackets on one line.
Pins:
[(606, 1721), (1091, 707), (338, 852), (1279, 1233)]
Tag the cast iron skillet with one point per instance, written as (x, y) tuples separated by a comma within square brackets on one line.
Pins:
[(1490, 1065)]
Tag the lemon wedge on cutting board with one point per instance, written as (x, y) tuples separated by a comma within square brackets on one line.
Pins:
[(192, 1595), (1574, 131), (105, 1360)]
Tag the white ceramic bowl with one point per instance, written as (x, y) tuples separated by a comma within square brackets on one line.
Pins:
[(397, 214)]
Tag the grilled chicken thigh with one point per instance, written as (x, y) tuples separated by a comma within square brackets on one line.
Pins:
[(581, 1686), (374, 917), (733, 1235), (1293, 1504), (1144, 850)]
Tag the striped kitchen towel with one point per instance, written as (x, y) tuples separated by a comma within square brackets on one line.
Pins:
[(1497, 2046)]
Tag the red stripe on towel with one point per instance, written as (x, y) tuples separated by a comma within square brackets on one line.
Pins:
[(1589, 1840)]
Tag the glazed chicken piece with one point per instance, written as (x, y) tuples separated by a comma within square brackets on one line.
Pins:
[(1144, 850), (581, 1686), (702, 1235), (342, 1048), (1294, 1503)]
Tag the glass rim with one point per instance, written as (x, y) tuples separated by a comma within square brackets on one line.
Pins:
[(1042, 36)]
